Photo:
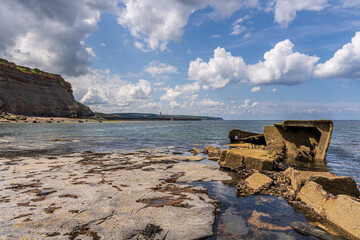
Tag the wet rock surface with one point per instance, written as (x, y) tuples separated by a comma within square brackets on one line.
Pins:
[(107, 196)]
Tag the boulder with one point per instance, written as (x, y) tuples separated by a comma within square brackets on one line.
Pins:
[(257, 181), (308, 230), (342, 210), (304, 140), (195, 151), (212, 151)]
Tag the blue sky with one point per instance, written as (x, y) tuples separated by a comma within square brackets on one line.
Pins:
[(279, 59)]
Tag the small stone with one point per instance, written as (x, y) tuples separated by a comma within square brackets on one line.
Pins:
[(59, 139), (195, 151), (308, 230)]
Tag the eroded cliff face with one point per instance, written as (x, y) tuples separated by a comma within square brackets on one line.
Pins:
[(32, 92)]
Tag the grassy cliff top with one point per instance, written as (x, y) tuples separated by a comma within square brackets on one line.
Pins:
[(23, 69)]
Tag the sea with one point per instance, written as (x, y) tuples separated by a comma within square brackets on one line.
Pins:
[(178, 137)]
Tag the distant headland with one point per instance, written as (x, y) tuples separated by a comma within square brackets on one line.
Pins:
[(153, 117)]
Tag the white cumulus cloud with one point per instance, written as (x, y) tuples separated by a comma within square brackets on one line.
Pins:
[(345, 64), (180, 90), (248, 104), (285, 10), (206, 103), (282, 66), (158, 22), (222, 69), (106, 91), (50, 34), (255, 89), (158, 68), (237, 27)]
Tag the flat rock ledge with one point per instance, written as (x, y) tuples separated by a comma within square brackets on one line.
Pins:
[(140, 195)]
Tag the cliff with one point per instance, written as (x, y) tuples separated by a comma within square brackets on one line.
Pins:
[(32, 92)]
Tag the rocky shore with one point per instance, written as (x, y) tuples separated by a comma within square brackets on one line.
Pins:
[(12, 118), (107, 196), (249, 191), (263, 161)]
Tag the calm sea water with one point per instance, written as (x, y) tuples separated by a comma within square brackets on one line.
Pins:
[(343, 156)]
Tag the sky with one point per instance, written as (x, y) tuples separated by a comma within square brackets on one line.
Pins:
[(236, 59)]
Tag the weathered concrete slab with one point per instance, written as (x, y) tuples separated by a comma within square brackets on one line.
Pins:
[(341, 210), (259, 162), (237, 135), (330, 182), (231, 159), (259, 159), (301, 139), (299, 178)]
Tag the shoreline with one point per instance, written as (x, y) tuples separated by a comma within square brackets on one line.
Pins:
[(32, 119), (119, 195)]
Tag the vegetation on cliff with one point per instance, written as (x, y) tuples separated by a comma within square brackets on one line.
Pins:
[(4, 62)]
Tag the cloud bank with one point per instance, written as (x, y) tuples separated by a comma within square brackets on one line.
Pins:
[(281, 65), (155, 23), (345, 64), (157, 68), (50, 34)]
